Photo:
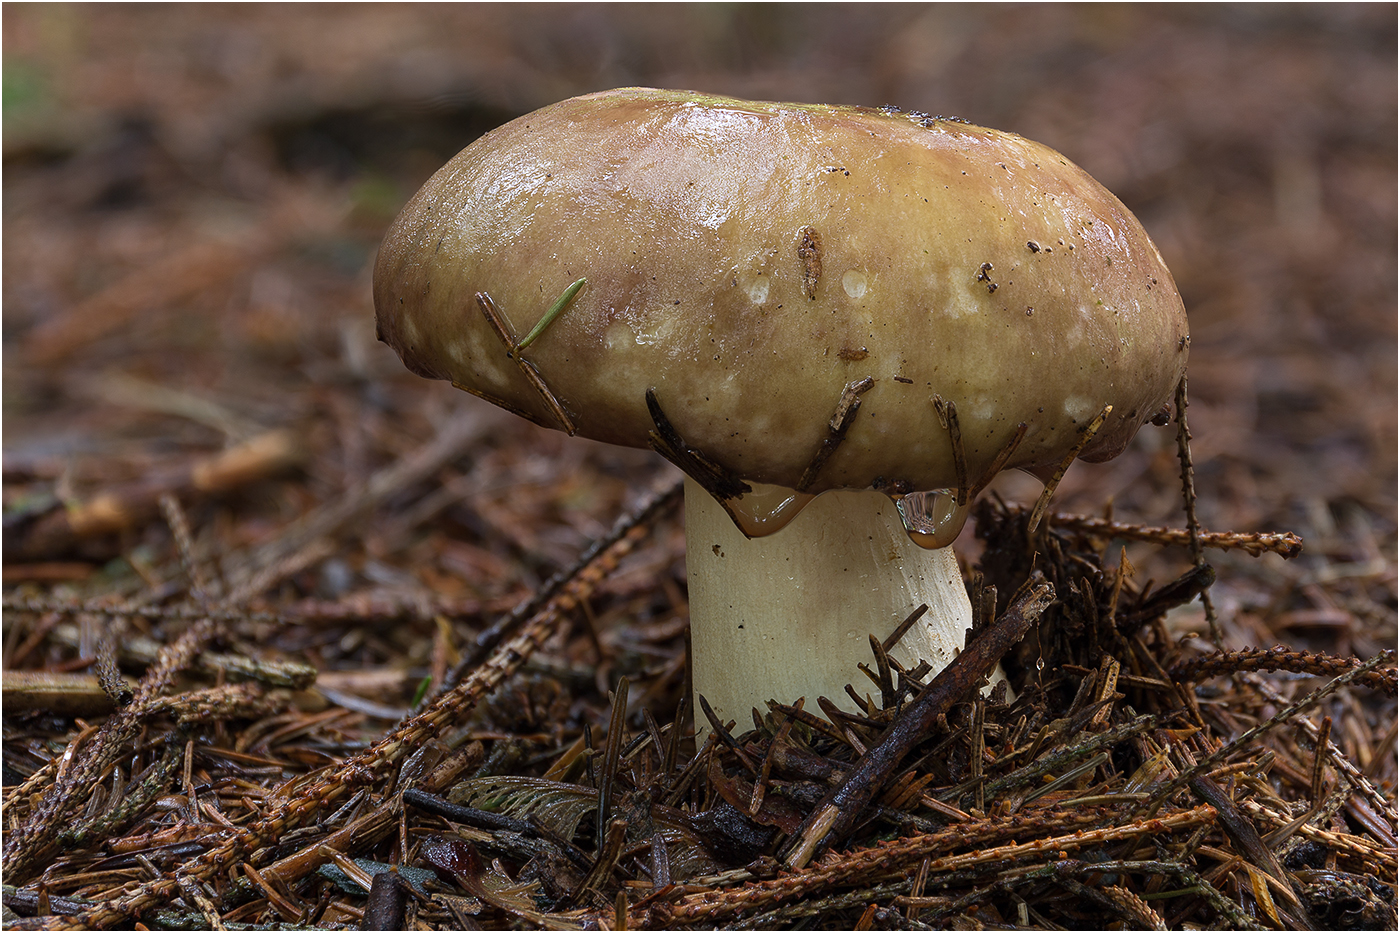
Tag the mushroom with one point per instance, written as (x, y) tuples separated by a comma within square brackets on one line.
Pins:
[(856, 314)]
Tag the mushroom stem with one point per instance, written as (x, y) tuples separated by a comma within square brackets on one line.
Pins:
[(789, 615)]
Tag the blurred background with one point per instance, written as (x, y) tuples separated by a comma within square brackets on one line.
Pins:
[(193, 197)]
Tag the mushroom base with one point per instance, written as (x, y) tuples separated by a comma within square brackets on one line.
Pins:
[(791, 614)]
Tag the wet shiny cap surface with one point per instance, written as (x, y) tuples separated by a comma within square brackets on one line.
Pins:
[(750, 262)]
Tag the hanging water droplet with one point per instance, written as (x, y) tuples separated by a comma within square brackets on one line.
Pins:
[(1040, 664), (933, 519), (766, 509)]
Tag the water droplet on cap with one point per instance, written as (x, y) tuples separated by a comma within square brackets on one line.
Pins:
[(767, 508), (933, 519)]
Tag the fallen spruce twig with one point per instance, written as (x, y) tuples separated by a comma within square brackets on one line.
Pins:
[(1285, 544), (374, 763), (1205, 765), (1191, 882), (831, 821), (35, 840), (641, 516), (1280, 658), (901, 856), (1354, 776), (1188, 493), (1380, 859), (105, 606), (1050, 762)]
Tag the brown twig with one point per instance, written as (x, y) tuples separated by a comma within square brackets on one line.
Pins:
[(980, 838), (1046, 762), (1381, 858), (1179, 592), (999, 461), (899, 631), (372, 764), (846, 408), (1210, 761), (617, 726), (1247, 841), (1085, 436), (33, 841), (140, 650), (832, 819), (667, 441), (1223, 663), (194, 267), (527, 369), (104, 606), (1353, 775), (1285, 544), (1188, 493), (184, 546), (947, 412), (634, 525)]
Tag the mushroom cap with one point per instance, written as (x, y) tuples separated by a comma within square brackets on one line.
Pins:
[(748, 260)]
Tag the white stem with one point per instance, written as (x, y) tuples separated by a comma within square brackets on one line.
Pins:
[(789, 615)]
